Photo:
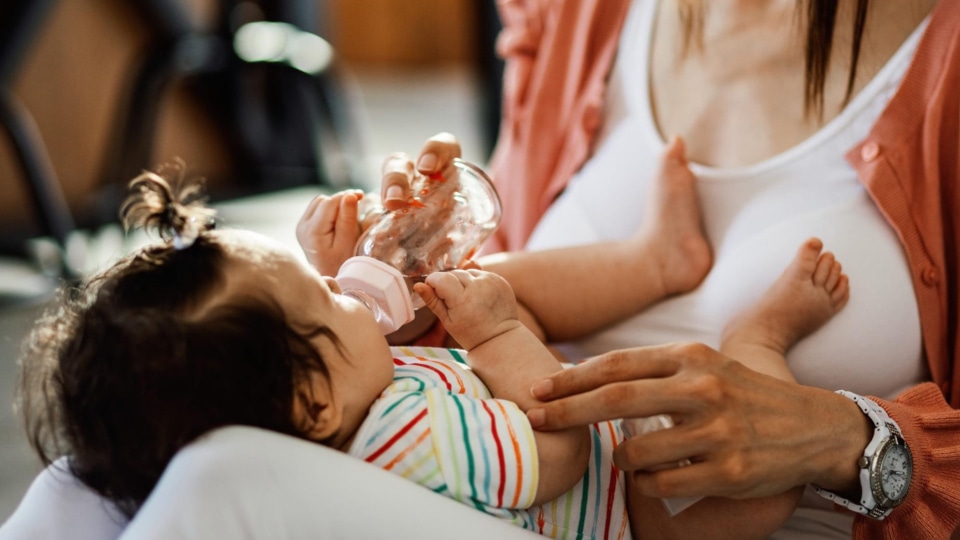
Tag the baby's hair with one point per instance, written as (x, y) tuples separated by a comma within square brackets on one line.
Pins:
[(138, 361), (177, 211)]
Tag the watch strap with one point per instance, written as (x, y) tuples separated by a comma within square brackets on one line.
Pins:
[(884, 427)]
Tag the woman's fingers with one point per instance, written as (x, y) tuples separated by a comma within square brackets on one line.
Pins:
[(437, 153), (399, 170), (628, 383), (615, 366), (667, 448), (398, 173)]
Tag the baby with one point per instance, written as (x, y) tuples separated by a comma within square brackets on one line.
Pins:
[(220, 327)]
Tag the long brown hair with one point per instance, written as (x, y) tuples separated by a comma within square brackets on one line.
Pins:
[(819, 17), (142, 359)]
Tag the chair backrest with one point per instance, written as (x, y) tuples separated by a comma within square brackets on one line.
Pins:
[(20, 22)]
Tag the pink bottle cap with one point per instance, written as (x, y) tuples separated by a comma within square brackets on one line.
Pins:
[(384, 284)]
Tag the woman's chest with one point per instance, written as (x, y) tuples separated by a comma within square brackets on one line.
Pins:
[(755, 219)]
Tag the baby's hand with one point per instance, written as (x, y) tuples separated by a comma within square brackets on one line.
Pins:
[(473, 305), (329, 229)]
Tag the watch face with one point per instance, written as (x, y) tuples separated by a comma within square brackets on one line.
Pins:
[(896, 469)]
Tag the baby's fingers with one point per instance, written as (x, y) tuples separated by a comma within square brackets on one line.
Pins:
[(433, 302), (312, 207), (450, 284), (317, 221)]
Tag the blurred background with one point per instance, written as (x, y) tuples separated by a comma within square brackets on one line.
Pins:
[(271, 101)]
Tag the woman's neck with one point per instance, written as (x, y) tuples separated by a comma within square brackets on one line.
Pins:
[(737, 95)]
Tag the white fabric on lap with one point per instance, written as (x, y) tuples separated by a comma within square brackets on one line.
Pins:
[(246, 483), (241, 482), (57, 506)]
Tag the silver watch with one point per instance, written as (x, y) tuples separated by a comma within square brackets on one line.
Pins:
[(886, 466)]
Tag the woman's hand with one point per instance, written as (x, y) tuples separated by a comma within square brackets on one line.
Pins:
[(747, 434), (436, 155)]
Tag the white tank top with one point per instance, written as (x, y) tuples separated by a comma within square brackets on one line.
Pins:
[(756, 217)]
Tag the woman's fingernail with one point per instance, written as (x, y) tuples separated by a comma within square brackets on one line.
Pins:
[(394, 192), (537, 417), (428, 162), (542, 389)]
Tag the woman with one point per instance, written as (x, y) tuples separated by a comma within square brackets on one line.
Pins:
[(799, 120)]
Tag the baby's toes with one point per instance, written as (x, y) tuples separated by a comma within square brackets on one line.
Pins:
[(834, 276), (824, 266), (841, 293)]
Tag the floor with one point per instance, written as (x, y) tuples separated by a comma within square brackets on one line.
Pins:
[(397, 111)]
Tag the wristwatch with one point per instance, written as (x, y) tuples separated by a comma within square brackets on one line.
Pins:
[(886, 466)]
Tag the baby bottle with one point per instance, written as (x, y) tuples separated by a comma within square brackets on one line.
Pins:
[(380, 287), (449, 217)]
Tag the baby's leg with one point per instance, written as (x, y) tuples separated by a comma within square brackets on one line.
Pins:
[(809, 292), (671, 236), (575, 291)]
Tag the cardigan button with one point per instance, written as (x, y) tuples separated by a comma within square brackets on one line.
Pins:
[(870, 151), (929, 276), (592, 116)]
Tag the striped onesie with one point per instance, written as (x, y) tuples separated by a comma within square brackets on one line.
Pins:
[(439, 426)]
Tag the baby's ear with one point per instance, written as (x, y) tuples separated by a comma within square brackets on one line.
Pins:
[(315, 412), (328, 420)]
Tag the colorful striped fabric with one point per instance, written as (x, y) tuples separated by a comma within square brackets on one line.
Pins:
[(438, 425)]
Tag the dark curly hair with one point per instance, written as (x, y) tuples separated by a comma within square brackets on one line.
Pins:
[(140, 360)]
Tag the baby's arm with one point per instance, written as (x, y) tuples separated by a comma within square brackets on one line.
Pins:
[(480, 312)]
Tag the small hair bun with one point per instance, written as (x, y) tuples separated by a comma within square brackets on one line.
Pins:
[(170, 203)]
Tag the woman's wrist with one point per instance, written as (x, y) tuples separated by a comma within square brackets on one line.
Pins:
[(849, 432)]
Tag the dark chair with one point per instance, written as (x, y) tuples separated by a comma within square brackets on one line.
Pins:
[(283, 126), (19, 24)]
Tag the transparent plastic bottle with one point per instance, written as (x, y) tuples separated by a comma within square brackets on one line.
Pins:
[(380, 287), (451, 214)]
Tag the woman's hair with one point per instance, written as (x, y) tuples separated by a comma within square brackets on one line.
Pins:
[(820, 18), (140, 360)]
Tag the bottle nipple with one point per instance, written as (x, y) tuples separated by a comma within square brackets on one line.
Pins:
[(380, 287)]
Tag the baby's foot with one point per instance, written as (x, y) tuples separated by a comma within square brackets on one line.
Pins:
[(672, 226), (810, 291)]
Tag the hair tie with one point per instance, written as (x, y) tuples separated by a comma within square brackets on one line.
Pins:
[(185, 238)]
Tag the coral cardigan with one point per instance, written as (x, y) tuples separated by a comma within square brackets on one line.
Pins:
[(558, 56)]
